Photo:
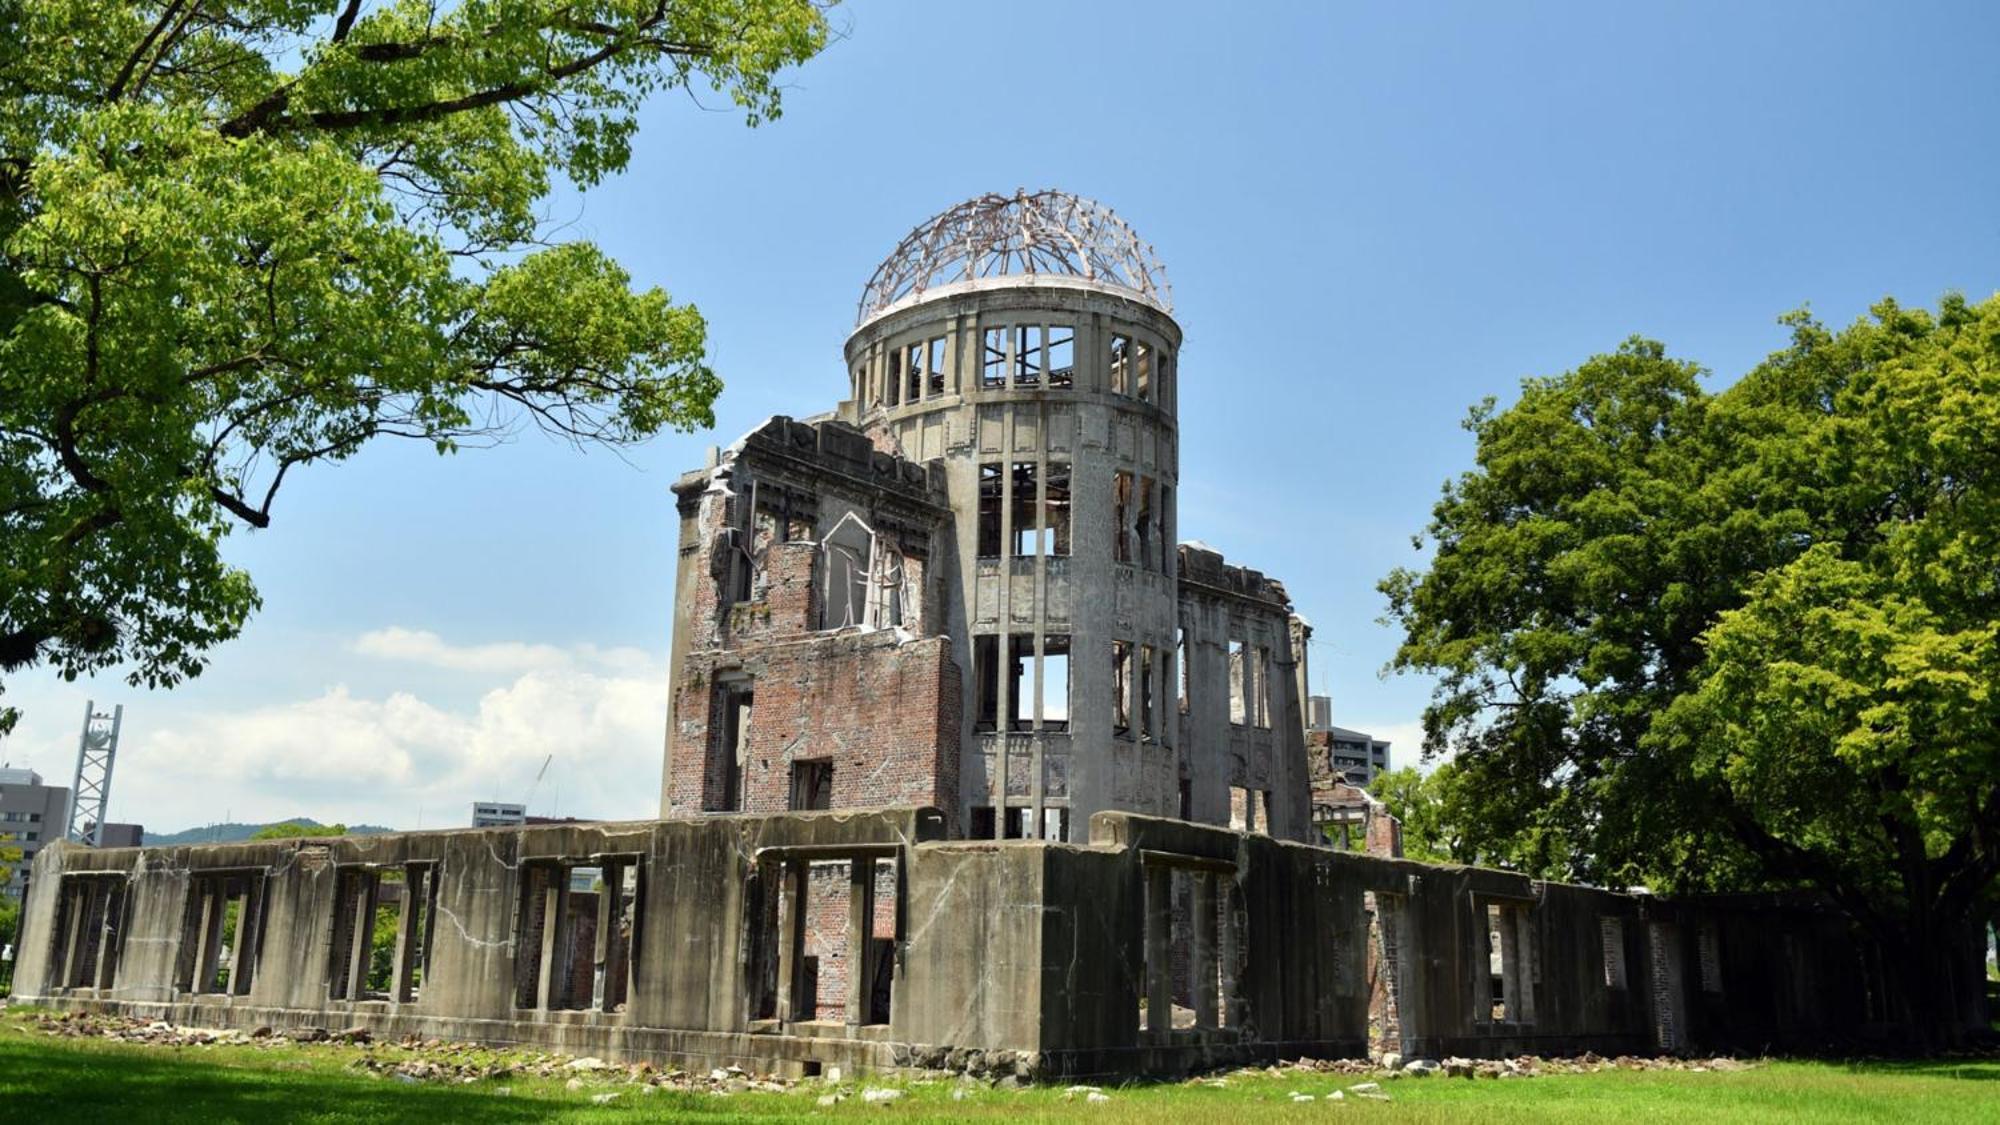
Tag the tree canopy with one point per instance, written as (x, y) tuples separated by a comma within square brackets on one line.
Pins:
[(242, 237), (293, 830), (1736, 639)]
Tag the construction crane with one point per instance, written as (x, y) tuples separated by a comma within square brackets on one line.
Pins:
[(532, 786), (96, 750)]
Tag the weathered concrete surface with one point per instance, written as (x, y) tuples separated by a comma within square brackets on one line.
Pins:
[(1021, 957)]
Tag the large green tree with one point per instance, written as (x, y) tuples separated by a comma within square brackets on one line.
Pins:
[(242, 237), (1748, 638)]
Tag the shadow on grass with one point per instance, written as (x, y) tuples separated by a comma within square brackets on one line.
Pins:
[(1975, 1068)]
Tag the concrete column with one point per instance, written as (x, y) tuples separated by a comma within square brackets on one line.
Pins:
[(1203, 960), (362, 943), (1524, 963), (107, 940), (1232, 955), (208, 943), (406, 935), (243, 952), (860, 926), (1159, 965), (549, 991), (791, 937), (79, 892)]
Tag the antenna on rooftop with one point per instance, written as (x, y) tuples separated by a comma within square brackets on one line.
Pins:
[(96, 750)]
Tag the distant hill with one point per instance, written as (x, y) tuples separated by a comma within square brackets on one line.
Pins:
[(232, 832)]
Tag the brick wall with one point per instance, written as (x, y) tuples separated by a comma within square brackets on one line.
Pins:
[(884, 711)]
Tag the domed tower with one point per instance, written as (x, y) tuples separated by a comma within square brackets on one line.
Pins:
[(1027, 342)]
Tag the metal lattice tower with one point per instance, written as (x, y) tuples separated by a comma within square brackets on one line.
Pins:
[(91, 790)]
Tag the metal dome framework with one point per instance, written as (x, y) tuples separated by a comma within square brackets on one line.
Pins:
[(1026, 234)]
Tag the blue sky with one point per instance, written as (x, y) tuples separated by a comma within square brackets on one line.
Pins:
[(1372, 216)]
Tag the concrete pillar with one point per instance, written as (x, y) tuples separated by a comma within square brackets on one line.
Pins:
[(1206, 996), (243, 948), (1233, 1014), (549, 991), (860, 925), (1159, 967), (402, 972), (791, 937)]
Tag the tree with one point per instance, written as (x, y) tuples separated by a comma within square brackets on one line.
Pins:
[(10, 907), (242, 237), (293, 830), (1739, 639)]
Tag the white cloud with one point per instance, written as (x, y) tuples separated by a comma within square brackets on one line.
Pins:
[(598, 715)]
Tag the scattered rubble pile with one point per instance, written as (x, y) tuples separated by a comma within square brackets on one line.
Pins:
[(433, 1060)]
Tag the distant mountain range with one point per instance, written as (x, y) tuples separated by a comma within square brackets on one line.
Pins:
[(232, 832)]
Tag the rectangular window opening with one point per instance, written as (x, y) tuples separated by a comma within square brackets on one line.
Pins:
[(1056, 509), (1181, 665), (986, 681), (934, 365), (1122, 511), (1121, 687), (812, 785), (1061, 355), (913, 366), (1147, 527), (896, 377), (993, 359), (735, 704), (1264, 687), (1026, 510), (1055, 682), (89, 931), (1142, 368), (1147, 730), (1020, 700), (1239, 695), (1027, 355), (981, 826), (1120, 369), (991, 484)]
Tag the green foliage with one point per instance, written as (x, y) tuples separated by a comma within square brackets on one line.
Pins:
[(1727, 639), (239, 240), (292, 830)]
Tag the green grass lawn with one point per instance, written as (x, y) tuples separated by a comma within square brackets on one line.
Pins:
[(43, 1078)]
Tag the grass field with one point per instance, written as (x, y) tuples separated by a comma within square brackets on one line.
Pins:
[(43, 1078)]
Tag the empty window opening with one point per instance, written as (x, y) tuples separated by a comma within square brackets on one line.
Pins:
[(1021, 823), (1264, 687), (981, 825), (1027, 508), (991, 484), (734, 703), (1142, 371), (1189, 948), (993, 359), (934, 365), (847, 555), (913, 368), (1146, 526), (896, 377), (1121, 365), (1122, 511), (812, 785), (577, 932), (1187, 799), (1055, 825), (1027, 355), (89, 930), (1239, 696), (1060, 355), (1020, 693), (220, 933), (1055, 509), (986, 681), (1611, 940), (823, 940), (1121, 687), (1508, 991), (1243, 809), (1055, 682), (366, 916), (1147, 729), (1181, 664)]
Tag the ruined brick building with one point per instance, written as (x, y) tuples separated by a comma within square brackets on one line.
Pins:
[(950, 613), (961, 587)]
